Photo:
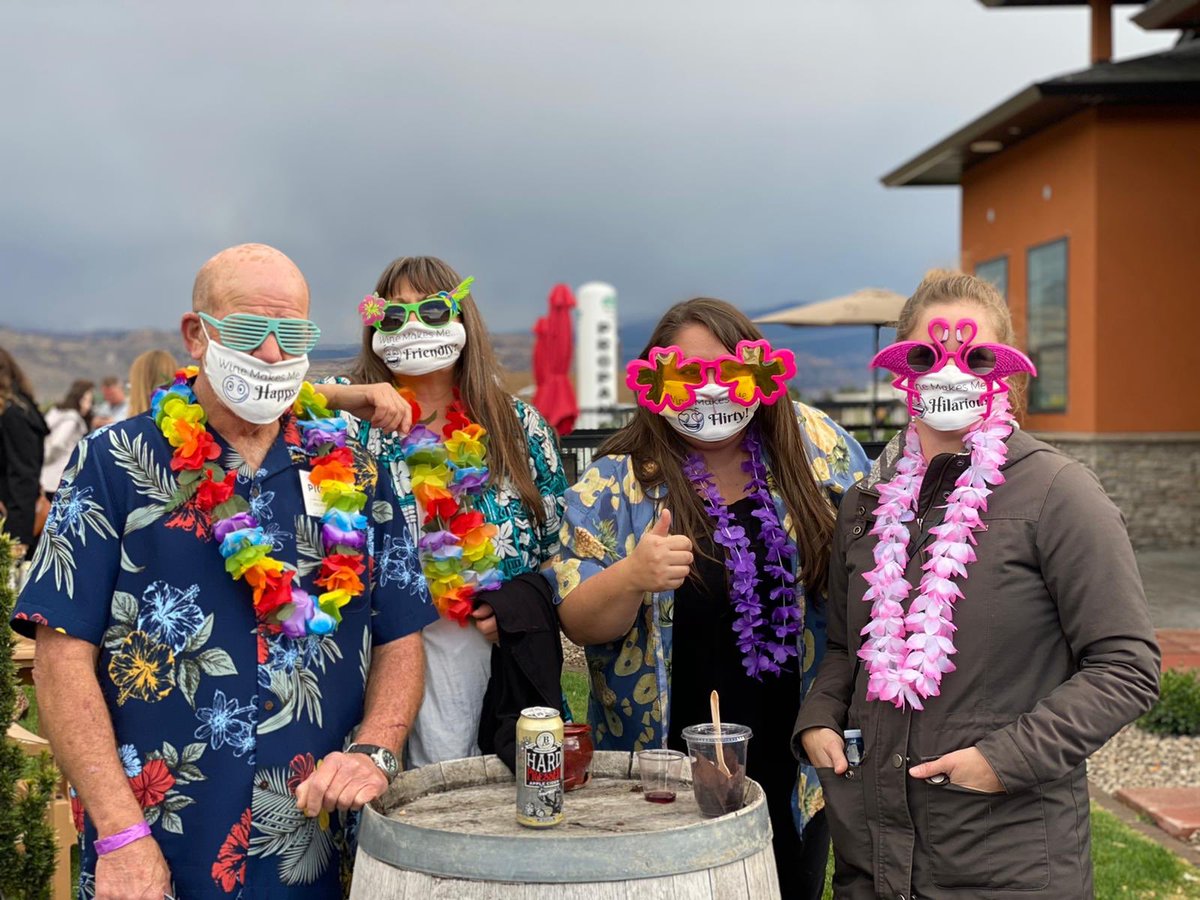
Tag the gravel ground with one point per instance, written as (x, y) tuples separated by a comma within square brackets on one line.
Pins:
[(573, 656), (1137, 759)]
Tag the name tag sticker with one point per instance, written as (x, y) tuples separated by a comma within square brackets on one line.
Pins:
[(313, 504)]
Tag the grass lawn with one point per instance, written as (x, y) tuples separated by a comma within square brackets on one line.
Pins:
[(1127, 865)]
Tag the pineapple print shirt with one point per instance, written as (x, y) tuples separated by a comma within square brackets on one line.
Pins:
[(607, 512)]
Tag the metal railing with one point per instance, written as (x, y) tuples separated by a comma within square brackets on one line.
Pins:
[(579, 448)]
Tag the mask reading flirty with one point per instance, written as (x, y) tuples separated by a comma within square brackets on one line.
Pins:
[(951, 390), (754, 373)]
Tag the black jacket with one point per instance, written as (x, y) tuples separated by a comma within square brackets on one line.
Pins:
[(22, 433), (526, 662)]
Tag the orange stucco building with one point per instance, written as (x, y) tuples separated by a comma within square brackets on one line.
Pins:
[(1081, 201)]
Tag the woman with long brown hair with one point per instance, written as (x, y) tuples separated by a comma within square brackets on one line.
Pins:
[(694, 553), (68, 422), (22, 433), (480, 479)]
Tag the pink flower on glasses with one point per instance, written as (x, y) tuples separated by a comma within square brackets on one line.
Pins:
[(371, 309)]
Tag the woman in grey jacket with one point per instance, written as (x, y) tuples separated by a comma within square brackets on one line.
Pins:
[(987, 632)]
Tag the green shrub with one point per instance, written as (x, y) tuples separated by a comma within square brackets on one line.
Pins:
[(27, 843), (1178, 708)]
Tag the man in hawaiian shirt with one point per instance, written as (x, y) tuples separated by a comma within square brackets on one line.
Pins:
[(165, 699)]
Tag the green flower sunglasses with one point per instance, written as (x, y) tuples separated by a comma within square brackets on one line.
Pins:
[(246, 332)]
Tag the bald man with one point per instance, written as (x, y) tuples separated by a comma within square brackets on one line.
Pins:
[(217, 751)]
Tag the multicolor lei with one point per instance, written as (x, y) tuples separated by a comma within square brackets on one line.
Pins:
[(279, 604), (760, 652), (907, 655), (458, 550)]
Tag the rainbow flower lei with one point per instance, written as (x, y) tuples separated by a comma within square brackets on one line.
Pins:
[(908, 655), (279, 604), (457, 546)]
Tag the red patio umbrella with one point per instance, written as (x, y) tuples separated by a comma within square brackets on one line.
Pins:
[(552, 347)]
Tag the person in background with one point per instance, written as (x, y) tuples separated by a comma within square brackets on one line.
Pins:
[(115, 406), (22, 435), (69, 420), (150, 370), (485, 466), (695, 550), (987, 632)]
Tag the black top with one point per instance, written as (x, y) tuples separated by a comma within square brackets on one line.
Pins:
[(22, 432), (705, 657)]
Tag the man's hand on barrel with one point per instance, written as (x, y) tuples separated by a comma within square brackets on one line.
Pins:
[(343, 781)]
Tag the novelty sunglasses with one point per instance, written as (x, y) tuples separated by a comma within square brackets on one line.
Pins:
[(992, 363), (753, 373), (435, 311), (246, 332)]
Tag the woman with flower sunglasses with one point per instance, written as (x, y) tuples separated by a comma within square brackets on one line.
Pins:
[(987, 632), (480, 475), (694, 553)]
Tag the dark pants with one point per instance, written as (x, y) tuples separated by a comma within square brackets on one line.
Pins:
[(800, 863)]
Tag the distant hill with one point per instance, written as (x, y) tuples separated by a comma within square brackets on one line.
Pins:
[(53, 360), (827, 358)]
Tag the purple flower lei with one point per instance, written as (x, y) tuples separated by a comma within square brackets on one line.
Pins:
[(765, 646)]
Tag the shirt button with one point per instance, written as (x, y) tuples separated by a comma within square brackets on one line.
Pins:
[(945, 495), (857, 530), (862, 511), (897, 759), (269, 705)]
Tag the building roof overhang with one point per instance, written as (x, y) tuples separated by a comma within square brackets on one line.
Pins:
[(1169, 14), (1172, 76)]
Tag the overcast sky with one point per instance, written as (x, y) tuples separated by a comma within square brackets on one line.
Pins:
[(672, 148)]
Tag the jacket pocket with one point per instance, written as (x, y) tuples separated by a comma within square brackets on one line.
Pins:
[(846, 813), (982, 840)]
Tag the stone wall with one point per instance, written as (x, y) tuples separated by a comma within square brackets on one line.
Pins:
[(1153, 478)]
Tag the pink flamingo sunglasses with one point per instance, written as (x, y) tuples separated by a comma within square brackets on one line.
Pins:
[(992, 363)]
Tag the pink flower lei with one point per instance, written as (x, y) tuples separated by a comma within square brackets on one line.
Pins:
[(907, 655)]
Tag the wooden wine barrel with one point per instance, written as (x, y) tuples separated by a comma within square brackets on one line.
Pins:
[(450, 830)]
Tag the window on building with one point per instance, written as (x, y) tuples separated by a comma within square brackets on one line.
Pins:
[(995, 271), (1047, 318)]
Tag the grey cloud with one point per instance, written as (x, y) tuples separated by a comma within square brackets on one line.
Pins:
[(671, 148)]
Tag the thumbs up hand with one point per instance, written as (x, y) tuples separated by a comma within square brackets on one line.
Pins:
[(661, 560)]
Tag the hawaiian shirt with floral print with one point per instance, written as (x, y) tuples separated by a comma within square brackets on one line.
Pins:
[(216, 721), (607, 512)]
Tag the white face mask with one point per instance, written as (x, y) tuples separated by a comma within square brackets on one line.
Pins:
[(417, 350), (254, 390), (713, 418), (949, 400)]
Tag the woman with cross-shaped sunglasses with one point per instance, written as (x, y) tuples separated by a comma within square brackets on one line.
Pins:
[(423, 337), (987, 631), (694, 554)]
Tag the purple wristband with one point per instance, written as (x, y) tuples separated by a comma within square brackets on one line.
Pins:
[(134, 832)]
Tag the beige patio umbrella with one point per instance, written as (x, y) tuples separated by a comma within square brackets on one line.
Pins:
[(870, 306)]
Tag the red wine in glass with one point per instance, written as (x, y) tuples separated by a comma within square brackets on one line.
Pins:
[(660, 796)]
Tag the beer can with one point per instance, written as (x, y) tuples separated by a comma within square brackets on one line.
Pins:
[(539, 767)]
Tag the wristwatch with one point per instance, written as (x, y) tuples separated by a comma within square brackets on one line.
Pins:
[(381, 756)]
